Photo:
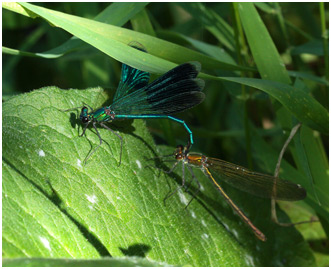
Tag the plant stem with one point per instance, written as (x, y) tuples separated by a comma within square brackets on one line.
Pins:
[(325, 40), (239, 36)]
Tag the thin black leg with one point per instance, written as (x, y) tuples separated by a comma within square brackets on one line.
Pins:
[(121, 139), (85, 127), (198, 183), (92, 152), (183, 181)]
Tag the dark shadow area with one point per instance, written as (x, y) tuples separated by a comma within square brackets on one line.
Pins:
[(139, 250), (30, 181), (74, 120), (319, 245), (102, 250), (57, 201)]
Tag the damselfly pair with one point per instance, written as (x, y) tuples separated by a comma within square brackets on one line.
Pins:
[(176, 91)]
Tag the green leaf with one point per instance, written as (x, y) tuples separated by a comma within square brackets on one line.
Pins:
[(142, 24), (264, 51), (116, 14), (303, 75), (113, 41), (15, 7), (266, 7), (19, 52), (120, 210), (211, 50), (104, 262), (212, 21), (305, 108), (312, 232), (314, 47)]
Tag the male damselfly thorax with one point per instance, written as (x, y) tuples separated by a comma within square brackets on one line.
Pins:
[(104, 114)]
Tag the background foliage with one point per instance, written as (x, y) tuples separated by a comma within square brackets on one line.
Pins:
[(55, 208)]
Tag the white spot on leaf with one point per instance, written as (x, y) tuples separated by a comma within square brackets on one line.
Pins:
[(41, 153), (45, 242), (201, 188), (92, 199), (249, 260), (79, 163), (193, 215), (183, 198), (235, 233), (205, 236), (138, 163), (226, 226)]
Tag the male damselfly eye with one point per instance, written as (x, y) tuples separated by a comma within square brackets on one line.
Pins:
[(84, 114), (84, 119)]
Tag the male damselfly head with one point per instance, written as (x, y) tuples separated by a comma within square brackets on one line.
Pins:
[(84, 115)]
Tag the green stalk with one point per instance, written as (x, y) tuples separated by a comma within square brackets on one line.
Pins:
[(239, 36), (325, 40), (281, 21)]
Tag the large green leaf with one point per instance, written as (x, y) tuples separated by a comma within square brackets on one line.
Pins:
[(119, 210)]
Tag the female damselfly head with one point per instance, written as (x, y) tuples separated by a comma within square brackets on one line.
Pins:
[(84, 115), (181, 152), (178, 153)]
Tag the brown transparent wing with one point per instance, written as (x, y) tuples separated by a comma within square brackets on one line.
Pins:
[(255, 183)]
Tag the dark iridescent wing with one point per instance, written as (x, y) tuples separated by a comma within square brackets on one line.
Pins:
[(175, 91), (255, 183), (132, 79)]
